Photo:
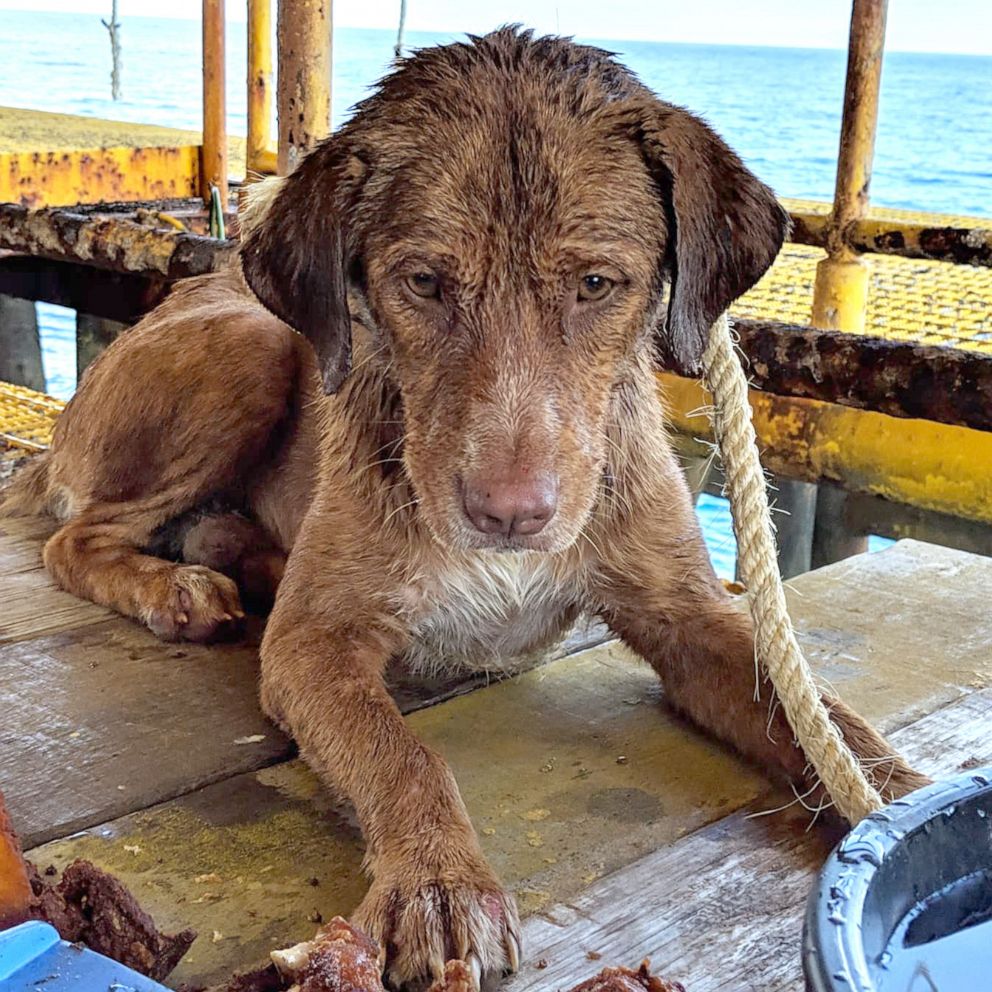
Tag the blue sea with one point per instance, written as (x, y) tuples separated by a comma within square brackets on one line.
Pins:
[(780, 108)]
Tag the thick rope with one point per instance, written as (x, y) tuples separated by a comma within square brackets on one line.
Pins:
[(775, 641)]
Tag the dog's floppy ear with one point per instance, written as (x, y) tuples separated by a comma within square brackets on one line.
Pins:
[(725, 227), (296, 258)]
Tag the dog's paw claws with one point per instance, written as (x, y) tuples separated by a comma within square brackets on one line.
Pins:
[(192, 603), (425, 922), (513, 952)]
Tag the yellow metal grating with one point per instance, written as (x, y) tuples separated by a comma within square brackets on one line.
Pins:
[(27, 419), (909, 300)]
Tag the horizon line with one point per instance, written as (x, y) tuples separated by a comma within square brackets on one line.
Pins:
[(461, 31)]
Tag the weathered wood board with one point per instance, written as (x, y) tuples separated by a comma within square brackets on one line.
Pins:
[(29, 604), (573, 772), (537, 761), (721, 910), (104, 719), (911, 621), (120, 721)]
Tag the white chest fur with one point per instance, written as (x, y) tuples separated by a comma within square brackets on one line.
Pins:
[(489, 612)]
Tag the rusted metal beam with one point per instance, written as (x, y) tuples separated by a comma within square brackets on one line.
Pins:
[(841, 290), (214, 165), (117, 296), (934, 466), (304, 78), (259, 152), (963, 245), (900, 379), (115, 243)]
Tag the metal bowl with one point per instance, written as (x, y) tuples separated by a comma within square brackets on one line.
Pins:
[(904, 903)]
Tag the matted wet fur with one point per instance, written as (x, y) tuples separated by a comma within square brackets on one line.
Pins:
[(480, 259)]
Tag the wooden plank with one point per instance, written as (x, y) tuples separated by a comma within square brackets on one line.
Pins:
[(721, 910), (32, 606), (104, 719), (104, 701), (555, 809), (899, 633)]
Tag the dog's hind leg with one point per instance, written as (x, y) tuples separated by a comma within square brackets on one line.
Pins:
[(189, 410), (241, 549), (100, 557)]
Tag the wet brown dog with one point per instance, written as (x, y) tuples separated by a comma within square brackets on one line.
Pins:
[(491, 237)]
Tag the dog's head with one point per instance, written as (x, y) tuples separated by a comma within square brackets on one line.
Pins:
[(516, 221)]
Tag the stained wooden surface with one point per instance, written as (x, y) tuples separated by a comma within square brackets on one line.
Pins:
[(722, 910), (101, 718), (537, 761), (621, 830), (31, 605)]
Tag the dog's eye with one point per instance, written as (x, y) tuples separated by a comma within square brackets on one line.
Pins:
[(424, 284), (594, 287)]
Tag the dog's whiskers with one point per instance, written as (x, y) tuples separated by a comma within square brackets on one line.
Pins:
[(403, 506)]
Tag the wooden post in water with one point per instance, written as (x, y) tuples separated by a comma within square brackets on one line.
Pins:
[(840, 295), (259, 153), (213, 161), (304, 78)]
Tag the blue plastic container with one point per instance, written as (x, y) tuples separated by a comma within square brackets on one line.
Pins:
[(33, 958)]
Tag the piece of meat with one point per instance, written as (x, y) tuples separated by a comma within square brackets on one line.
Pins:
[(456, 978), (340, 958), (627, 980), (15, 886), (91, 907), (264, 979)]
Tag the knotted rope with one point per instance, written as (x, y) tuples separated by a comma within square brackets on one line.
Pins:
[(775, 641)]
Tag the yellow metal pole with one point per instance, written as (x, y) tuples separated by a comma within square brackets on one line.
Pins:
[(213, 164), (259, 155), (304, 78), (841, 291)]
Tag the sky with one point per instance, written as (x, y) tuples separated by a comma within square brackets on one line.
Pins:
[(963, 26)]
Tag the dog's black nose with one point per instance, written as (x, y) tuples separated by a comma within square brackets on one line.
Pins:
[(514, 504)]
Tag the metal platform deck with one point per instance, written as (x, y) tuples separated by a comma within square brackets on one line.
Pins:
[(621, 830)]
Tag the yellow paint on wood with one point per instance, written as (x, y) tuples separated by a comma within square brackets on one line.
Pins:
[(934, 466)]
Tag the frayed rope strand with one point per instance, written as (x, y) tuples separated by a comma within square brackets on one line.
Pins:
[(775, 641)]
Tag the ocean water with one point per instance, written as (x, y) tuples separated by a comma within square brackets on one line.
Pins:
[(779, 108)]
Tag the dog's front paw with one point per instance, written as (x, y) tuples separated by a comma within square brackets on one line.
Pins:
[(191, 603), (421, 919)]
